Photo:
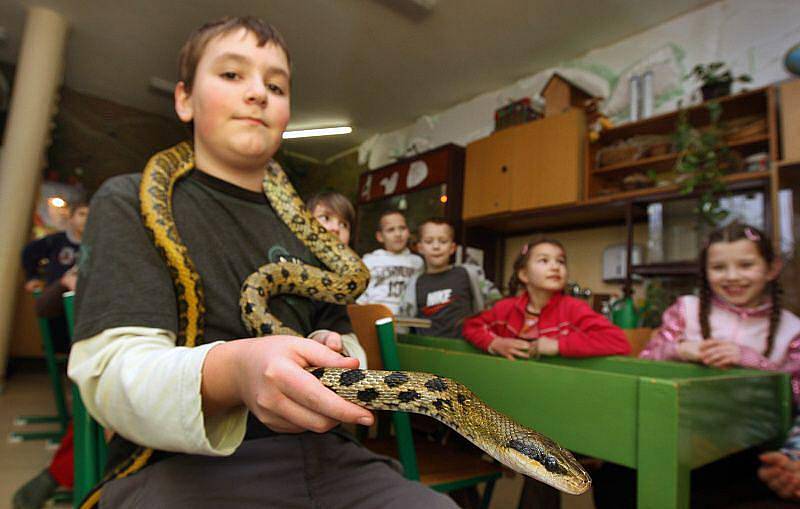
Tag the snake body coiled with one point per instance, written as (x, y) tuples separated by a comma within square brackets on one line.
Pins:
[(516, 446)]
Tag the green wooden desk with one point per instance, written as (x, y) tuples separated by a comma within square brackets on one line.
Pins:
[(661, 418)]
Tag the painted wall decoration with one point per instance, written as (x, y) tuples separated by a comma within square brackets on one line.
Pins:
[(428, 170), (752, 37)]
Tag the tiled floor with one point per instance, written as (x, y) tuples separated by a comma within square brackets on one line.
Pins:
[(24, 393), (29, 393)]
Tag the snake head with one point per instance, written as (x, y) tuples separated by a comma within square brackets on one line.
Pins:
[(541, 458)]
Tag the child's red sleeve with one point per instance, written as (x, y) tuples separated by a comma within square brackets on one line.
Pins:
[(591, 334), (478, 329)]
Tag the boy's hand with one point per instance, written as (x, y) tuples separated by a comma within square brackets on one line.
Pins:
[(332, 340), (781, 474), (720, 354), (510, 348), (70, 279), (267, 375), (689, 351)]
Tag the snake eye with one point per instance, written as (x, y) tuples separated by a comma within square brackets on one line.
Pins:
[(551, 464)]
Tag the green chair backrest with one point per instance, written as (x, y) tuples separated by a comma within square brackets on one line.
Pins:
[(91, 451)]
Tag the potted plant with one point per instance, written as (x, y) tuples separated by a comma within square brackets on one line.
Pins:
[(704, 158), (716, 79)]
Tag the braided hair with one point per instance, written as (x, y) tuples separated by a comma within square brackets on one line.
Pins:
[(515, 285), (731, 233)]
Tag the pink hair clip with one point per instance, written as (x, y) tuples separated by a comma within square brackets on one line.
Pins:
[(525, 249), (751, 234)]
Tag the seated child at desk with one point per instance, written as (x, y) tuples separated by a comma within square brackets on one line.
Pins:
[(391, 268), (737, 320), (335, 212), (446, 294), (541, 320)]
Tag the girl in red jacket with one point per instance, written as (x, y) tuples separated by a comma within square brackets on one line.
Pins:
[(541, 320)]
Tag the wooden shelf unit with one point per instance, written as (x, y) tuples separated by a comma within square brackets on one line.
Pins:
[(489, 231), (755, 103)]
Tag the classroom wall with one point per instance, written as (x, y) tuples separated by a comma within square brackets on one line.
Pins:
[(752, 36), (584, 254)]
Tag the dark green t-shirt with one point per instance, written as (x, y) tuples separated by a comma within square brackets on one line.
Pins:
[(229, 232)]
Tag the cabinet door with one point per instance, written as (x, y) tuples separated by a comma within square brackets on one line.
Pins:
[(548, 161), (487, 175)]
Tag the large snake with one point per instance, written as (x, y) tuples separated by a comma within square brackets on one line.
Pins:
[(520, 448)]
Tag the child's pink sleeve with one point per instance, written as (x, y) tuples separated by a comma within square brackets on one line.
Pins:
[(663, 346), (591, 335), (478, 329), (790, 363)]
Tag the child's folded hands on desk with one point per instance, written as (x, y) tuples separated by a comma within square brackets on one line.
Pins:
[(781, 473), (511, 348)]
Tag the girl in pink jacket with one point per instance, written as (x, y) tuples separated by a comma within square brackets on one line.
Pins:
[(737, 320)]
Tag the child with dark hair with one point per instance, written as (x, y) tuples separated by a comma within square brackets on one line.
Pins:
[(737, 319), (335, 212), (446, 294), (538, 319)]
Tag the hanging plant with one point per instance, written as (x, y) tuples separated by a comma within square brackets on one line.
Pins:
[(704, 157)]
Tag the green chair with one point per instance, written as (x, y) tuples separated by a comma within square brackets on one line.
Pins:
[(55, 368), (91, 451), (442, 468)]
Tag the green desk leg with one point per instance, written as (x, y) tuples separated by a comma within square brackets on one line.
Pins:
[(402, 424), (662, 473)]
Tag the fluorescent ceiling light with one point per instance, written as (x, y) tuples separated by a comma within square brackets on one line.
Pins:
[(308, 133)]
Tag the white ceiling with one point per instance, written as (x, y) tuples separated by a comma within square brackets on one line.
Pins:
[(374, 64)]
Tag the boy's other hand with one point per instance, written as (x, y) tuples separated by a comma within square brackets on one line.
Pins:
[(32, 285), (268, 376), (510, 348), (70, 279), (781, 474), (720, 354), (332, 340)]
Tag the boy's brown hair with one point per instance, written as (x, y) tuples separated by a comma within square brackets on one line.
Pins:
[(195, 45), (389, 212), (337, 202), (437, 221)]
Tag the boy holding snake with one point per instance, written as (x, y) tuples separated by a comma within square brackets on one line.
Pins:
[(225, 422)]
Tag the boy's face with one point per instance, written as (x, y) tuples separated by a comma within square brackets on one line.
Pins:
[(239, 101), (436, 246), (332, 222), (77, 220), (393, 233)]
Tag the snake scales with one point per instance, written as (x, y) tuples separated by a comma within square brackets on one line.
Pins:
[(519, 448)]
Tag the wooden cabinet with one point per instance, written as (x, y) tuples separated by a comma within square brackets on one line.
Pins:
[(487, 175), (534, 165)]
